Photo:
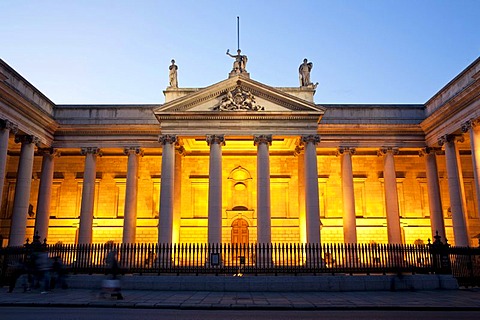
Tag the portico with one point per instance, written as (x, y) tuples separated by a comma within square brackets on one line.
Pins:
[(240, 162)]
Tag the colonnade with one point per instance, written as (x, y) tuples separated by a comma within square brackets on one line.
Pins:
[(262, 142)]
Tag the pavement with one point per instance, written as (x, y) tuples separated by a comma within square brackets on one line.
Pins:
[(448, 300)]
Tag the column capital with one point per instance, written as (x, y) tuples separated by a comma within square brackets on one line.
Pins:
[(7, 124), (429, 150), (299, 149), (312, 138), (181, 150), (133, 150), (215, 139), (343, 150), (262, 138), (52, 152), (27, 139), (167, 138), (92, 150), (384, 150), (450, 138), (469, 124)]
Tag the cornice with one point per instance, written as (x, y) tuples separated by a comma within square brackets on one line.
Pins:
[(106, 130), (242, 115), (370, 129), (451, 108), (25, 108)]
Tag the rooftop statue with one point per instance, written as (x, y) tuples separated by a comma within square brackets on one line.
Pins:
[(240, 63), (173, 75), (304, 74)]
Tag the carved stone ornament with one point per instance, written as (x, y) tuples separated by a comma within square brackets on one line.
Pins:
[(263, 138), (238, 100), (133, 150), (344, 150), (27, 139), (385, 150), (91, 150), (313, 138), (215, 138)]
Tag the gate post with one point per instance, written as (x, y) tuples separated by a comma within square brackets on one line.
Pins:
[(440, 254)]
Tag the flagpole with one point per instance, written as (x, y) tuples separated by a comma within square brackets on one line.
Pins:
[(238, 33)]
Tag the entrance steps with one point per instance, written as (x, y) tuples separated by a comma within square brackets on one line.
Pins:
[(284, 283)]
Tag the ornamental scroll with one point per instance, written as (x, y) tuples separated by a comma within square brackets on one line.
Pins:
[(238, 100)]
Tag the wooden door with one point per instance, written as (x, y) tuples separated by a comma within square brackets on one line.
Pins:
[(240, 231)]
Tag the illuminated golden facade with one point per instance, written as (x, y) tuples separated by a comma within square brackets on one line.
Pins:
[(240, 162)]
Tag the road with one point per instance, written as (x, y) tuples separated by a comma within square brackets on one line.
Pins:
[(57, 313)]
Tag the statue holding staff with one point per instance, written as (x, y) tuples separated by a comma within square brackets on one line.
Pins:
[(240, 63)]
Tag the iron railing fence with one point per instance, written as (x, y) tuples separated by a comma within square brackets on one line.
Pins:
[(231, 258), (465, 265)]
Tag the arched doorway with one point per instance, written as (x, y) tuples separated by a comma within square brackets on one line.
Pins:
[(240, 231)]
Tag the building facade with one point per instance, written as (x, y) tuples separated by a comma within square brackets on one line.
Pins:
[(240, 162)]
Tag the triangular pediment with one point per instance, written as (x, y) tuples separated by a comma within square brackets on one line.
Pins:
[(239, 106), (235, 95)]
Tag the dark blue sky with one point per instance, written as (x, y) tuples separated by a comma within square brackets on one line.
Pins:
[(375, 51)]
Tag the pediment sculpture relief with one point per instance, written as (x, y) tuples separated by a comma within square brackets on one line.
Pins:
[(238, 100)]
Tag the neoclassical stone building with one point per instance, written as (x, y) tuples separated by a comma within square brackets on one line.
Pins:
[(240, 162)]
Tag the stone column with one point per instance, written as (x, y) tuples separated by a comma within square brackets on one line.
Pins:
[(391, 196), (474, 127), (45, 192), (312, 201), (5, 128), (349, 216), (264, 226), (85, 234), (457, 196), (23, 185), (434, 197), (177, 204), (300, 153), (215, 189), (165, 219), (131, 189)]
